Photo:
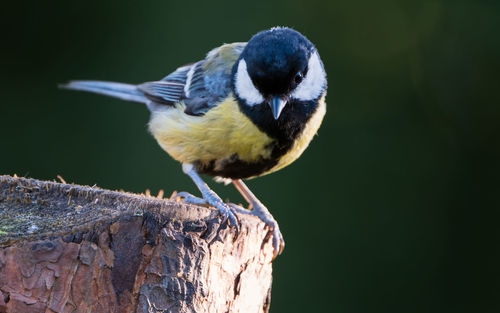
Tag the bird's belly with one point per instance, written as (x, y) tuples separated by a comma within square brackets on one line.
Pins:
[(223, 139)]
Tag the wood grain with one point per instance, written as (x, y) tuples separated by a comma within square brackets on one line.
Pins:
[(70, 248)]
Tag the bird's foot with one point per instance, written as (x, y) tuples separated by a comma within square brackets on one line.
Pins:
[(263, 214), (189, 198), (212, 199), (278, 241)]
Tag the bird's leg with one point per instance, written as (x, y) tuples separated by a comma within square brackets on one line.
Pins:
[(259, 210), (209, 196)]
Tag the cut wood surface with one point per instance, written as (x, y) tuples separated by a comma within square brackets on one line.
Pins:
[(71, 248)]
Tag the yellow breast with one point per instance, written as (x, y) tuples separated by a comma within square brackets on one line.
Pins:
[(220, 133)]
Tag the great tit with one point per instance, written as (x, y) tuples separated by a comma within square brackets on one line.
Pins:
[(246, 110)]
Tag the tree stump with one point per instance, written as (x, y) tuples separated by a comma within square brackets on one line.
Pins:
[(70, 248)]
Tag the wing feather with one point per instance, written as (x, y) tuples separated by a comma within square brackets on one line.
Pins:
[(201, 85)]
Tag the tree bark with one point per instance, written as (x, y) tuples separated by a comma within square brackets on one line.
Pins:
[(70, 248)]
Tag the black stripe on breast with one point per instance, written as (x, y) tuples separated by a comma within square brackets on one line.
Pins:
[(234, 168), (287, 128)]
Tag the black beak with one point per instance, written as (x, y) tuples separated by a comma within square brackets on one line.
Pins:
[(277, 105)]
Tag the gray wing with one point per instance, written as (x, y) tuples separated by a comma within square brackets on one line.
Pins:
[(201, 85)]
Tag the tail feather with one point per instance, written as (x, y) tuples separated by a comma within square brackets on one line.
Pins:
[(118, 90)]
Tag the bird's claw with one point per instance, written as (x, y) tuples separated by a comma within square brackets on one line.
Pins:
[(212, 200), (189, 198), (277, 240), (229, 211), (239, 209)]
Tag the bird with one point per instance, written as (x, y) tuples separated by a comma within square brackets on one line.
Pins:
[(246, 110)]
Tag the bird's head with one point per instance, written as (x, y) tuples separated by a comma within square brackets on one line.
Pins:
[(278, 66)]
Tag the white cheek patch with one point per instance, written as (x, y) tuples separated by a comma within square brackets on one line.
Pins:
[(314, 83), (244, 86)]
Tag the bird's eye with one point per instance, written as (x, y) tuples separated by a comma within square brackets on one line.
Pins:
[(299, 77)]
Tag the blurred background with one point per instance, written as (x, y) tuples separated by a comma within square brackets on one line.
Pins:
[(395, 205)]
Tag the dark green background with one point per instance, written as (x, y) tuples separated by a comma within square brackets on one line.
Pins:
[(395, 205)]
